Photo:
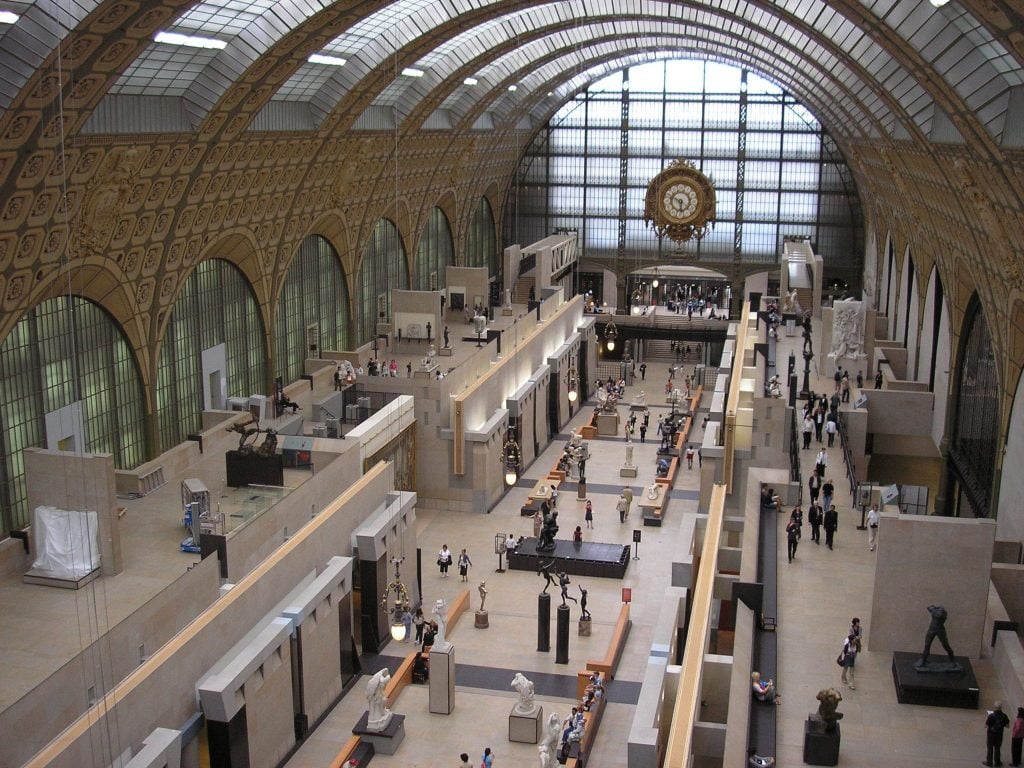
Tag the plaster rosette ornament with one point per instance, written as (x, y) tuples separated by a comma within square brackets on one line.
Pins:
[(680, 203)]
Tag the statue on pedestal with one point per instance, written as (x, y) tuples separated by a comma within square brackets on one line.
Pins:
[(629, 454), (825, 719), (524, 687), (482, 589), (378, 715), (548, 531), (937, 629)]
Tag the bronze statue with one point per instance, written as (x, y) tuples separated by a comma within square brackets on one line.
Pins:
[(826, 718), (563, 582), (937, 629), (246, 432), (545, 571), (548, 531)]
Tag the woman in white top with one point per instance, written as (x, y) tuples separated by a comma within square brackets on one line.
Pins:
[(444, 559)]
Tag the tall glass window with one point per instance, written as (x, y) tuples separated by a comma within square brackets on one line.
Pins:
[(972, 456), (314, 294), (482, 243), (434, 252), (67, 350), (216, 306), (381, 268), (795, 180)]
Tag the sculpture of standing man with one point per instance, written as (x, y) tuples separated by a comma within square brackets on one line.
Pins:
[(937, 629)]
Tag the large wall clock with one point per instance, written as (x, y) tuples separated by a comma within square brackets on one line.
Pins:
[(680, 202)]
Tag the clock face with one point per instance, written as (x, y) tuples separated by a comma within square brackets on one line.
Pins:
[(680, 201)]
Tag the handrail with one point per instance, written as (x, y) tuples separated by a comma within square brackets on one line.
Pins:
[(851, 470), (732, 403), (685, 710)]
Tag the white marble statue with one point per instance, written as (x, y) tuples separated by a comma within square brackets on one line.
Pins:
[(378, 715), (548, 749), (629, 454), (440, 614), (652, 490), (789, 302), (847, 329), (640, 398), (524, 687)]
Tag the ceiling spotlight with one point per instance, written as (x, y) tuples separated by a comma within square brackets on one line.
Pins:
[(938, 3), (191, 41), (412, 72), (470, 81), (6, 17), (512, 88), (320, 58)]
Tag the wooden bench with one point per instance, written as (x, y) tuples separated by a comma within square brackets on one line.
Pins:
[(401, 678), (610, 662), (458, 607), (592, 721)]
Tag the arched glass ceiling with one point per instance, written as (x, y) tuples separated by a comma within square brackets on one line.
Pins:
[(827, 71), (550, 76), (978, 71)]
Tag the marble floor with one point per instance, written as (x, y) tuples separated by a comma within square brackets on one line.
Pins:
[(818, 594)]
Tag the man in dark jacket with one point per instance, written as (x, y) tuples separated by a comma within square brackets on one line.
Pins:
[(994, 725), (831, 522)]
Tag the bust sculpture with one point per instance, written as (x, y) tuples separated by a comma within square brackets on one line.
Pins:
[(378, 715), (524, 687)]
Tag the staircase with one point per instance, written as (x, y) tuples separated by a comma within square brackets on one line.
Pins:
[(521, 291)]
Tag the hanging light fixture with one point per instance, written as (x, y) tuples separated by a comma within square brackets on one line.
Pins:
[(611, 333), (572, 378), (401, 599), (511, 457)]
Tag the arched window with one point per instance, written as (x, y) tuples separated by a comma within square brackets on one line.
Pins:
[(381, 268), (434, 252), (216, 307), (314, 299), (481, 243), (972, 453), (66, 354)]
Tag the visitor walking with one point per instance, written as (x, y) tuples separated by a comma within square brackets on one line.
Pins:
[(464, 565), (874, 518), (831, 523), (588, 516), (849, 659), (444, 560)]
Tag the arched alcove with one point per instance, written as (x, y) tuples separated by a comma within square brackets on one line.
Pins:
[(481, 240), (972, 450), (213, 348), (382, 266), (67, 366), (434, 252), (313, 304)]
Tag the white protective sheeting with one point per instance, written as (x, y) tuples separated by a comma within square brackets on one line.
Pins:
[(67, 542)]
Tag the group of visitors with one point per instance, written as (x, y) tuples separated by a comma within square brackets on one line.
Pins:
[(995, 723), (486, 760)]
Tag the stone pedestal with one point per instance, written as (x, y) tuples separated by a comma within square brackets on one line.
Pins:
[(442, 679), (524, 727), (627, 471), (581, 490), (562, 636), (444, 352), (608, 424), (481, 621), (584, 630), (544, 622), (820, 747), (387, 741)]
